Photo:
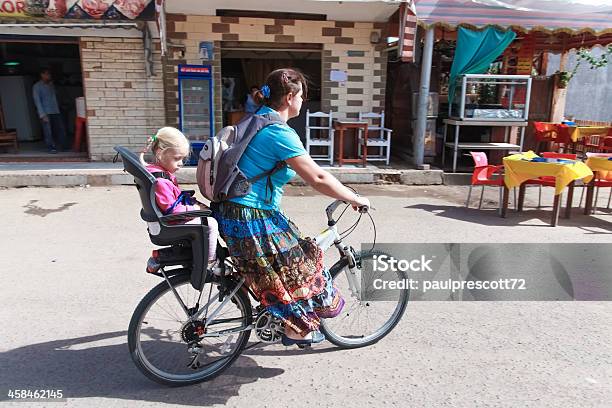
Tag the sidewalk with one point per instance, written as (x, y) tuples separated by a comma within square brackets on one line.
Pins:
[(110, 174)]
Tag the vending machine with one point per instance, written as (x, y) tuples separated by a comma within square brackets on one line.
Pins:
[(196, 102)]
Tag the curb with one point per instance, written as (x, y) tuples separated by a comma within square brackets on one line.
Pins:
[(116, 176)]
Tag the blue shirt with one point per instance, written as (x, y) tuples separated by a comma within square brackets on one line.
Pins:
[(272, 144), (44, 99)]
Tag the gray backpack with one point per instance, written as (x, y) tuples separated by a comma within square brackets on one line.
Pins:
[(218, 175)]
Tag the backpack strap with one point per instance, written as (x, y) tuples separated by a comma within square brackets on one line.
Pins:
[(278, 166), (269, 186)]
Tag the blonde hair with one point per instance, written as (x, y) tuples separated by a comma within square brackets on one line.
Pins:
[(165, 138)]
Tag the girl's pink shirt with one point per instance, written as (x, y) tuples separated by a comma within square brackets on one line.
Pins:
[(167, 192)]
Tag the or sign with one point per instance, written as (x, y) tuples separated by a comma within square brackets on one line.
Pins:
[(79, 9), (12, 8)]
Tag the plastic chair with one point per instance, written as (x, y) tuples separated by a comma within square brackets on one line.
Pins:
[(605, 144), (164, 229), (549, 181), (600, 183), (544, 133), (320, 134), (483, 176), (378, 135)]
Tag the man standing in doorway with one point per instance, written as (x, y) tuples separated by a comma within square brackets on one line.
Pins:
[(43, 92)]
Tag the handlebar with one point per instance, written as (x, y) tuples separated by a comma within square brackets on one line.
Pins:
[(329, 211)]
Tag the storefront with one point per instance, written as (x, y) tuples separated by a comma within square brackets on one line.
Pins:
[(23, 59), (115, 66), (340, 48)]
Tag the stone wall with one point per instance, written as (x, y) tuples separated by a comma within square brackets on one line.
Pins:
[(124, 106)]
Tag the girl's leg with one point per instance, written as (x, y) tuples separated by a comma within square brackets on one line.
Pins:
[(213, 236)]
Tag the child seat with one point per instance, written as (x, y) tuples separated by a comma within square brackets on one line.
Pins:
[(164, 229)]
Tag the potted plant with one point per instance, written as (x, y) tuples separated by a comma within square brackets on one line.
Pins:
[(563, 78)]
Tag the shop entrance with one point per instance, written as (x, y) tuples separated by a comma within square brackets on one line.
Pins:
[(21, 62), (243, 68)]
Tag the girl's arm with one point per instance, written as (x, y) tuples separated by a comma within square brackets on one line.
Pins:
[(166, 194), (324, 182)]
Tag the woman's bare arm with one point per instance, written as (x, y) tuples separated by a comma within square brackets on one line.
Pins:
[(324, 182)]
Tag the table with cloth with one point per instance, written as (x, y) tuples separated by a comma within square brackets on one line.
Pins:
[(578, 132), (519, 168), (572, 134), (601, 166)]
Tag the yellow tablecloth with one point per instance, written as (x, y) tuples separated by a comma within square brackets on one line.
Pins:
[(578, 132), (517, 171), (601, 165)]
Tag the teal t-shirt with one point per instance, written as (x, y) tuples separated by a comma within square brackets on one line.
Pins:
[(272, 144)]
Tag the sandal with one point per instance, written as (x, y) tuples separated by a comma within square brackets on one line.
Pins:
[(317, 337)]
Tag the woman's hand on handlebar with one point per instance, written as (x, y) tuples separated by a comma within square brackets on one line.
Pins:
[(361, 203)]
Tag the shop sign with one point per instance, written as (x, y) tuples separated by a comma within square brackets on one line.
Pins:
[(79, 9), (194, 70)]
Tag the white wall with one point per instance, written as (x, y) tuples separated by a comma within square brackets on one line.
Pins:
[(589, 94)]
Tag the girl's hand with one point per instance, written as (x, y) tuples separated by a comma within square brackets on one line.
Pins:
[(360, 203)]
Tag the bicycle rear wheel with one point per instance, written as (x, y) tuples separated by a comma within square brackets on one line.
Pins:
[(362, 323), (170, 350)]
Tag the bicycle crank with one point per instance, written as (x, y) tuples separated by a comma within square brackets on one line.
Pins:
[(268, 328)]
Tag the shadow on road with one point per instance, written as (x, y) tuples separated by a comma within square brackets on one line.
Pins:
[(108, 371), (490, 216)]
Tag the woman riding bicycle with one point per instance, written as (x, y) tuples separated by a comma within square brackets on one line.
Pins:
[(283, 269)]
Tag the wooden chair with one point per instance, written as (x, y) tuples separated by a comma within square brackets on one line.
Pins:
[(8, 137), (320, 132), (378, 135)]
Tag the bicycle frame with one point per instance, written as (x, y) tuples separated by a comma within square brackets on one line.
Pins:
[(326, 239)]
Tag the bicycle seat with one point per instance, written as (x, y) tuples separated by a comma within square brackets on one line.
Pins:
[(164, 229)]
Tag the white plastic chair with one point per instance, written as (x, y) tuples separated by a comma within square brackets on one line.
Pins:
[(378, 135), (320, 133)]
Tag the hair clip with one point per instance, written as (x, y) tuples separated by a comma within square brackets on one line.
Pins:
[(265, 91)]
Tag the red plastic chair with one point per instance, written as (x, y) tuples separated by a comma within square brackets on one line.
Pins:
[(549, 181), (483, 176), (605, 144), (545, 133), (564, 138), (601, 183)]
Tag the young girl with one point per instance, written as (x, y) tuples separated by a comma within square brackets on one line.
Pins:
[(169, 147)]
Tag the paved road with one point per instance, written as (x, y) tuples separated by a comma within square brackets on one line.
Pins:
[(73, 274)]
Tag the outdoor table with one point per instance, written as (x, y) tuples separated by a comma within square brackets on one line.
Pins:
[(518, 169), (456, 146), (601, 166), (578, 132), (340, 126)]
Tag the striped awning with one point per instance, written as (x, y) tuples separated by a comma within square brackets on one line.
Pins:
[(569, 16)]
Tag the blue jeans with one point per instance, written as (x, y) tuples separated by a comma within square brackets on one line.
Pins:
[(54, 131)]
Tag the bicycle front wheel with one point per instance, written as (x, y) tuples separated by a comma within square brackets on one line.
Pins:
[(172, 350), (362, 323)]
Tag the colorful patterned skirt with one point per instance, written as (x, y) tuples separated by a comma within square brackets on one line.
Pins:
[(284, 270)]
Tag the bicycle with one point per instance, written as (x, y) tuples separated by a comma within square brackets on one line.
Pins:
[(182, 334)]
